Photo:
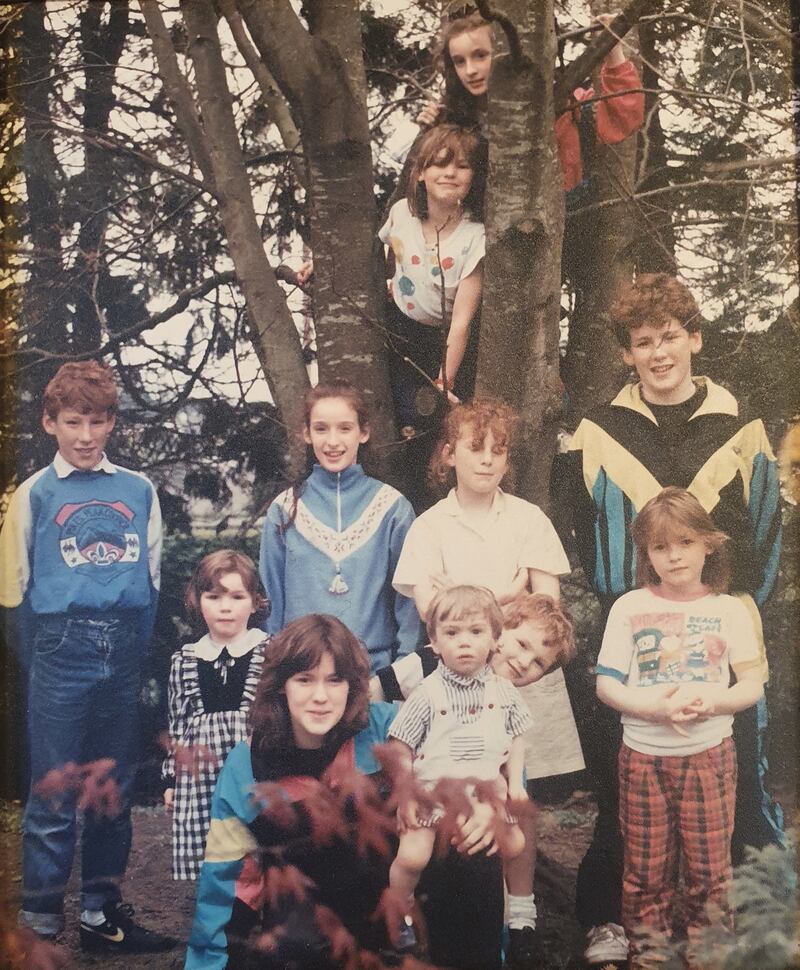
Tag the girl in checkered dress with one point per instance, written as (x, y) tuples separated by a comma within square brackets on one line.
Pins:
[(665, 664), (212, 684)]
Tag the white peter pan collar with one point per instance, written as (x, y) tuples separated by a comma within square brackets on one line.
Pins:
[(208, 649)]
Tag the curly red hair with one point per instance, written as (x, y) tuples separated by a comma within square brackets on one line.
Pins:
[(86, 386), (481, 415)]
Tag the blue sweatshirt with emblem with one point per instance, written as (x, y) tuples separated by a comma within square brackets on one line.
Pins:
[(83, 540), (338, 555)]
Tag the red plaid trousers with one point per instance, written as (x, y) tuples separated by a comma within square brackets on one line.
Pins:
[(671, 807)]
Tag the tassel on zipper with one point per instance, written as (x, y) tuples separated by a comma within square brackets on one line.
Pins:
[(338, 586)]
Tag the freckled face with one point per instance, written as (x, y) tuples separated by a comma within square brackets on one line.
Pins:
[(524, 654), (471, 54)]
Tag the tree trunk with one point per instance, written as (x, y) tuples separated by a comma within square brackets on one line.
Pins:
[(601, 259), (101, 47), (320, 72), (275, 335), (655, 247), (518, 357)]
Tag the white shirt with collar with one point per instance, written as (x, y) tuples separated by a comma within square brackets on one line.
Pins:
[(514, 535)]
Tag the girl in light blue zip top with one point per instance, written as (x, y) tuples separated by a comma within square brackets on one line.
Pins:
[(330, 543)]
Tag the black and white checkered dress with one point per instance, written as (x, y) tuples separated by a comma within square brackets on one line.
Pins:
[(196, 721)]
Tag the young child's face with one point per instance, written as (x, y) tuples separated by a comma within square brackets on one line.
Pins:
[(334, 433), (524, 654), (471, 54), (662, 357), (464, 645), (479, 467), (678, 561), (226, 608), (81, 437), (447, 182), (317, 700)]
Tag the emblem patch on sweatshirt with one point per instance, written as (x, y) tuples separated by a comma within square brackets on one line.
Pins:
[(97, 534)]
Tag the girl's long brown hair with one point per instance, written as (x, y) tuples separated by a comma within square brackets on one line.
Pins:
[(301, 646), (461, 107)]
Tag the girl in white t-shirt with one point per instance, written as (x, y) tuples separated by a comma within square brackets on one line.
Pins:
[(436, 243), (481, 536), (665, 664)]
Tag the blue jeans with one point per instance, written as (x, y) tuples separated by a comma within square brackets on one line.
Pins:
[(82, 705)]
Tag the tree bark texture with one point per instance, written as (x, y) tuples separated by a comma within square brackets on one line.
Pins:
[(274, 333), (322, 77), (655, 247), (518, 357), (601, 260), (101, 48), (45, 308)]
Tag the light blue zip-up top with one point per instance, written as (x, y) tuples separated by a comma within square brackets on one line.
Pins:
[(338, 556)]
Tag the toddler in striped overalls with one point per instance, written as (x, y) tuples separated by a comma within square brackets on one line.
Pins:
[(462, 722)]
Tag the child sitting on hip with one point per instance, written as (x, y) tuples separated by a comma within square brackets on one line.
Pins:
[(665, 664), (461, 722)]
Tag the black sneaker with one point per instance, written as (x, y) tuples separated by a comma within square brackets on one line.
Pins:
[(119, 933), (522, 949)]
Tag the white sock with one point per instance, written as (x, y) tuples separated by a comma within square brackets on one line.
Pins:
[(93, 917), (521, 912)]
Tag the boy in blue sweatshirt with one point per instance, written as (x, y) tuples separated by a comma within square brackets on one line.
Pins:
[(81, 549)]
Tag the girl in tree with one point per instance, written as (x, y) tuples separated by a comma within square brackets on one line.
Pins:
[(331, 542), (211, 685), (436, 244), (466, 49)]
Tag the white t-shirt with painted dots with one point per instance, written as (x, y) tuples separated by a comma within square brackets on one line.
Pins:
[(417, 281)]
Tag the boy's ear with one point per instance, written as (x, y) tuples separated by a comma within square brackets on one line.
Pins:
[(627, 356), (448, 454), (363, 438), (48, 423), (695, 341)]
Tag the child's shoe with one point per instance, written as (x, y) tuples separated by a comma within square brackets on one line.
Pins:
[(119, 933), (522, 951), (406, 938), (405, 945), (607, 947)]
